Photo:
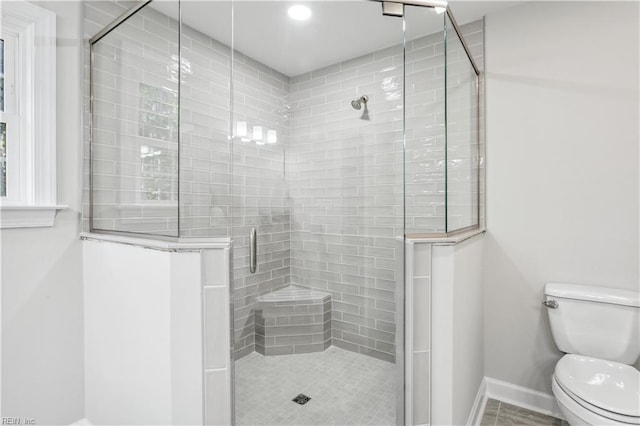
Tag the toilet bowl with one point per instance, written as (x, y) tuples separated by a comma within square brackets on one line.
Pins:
[(599, 330), (591, 391)]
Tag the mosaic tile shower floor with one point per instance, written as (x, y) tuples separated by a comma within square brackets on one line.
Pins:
[(346, 388)]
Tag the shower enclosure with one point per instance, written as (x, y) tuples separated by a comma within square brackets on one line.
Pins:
[(316, 148)]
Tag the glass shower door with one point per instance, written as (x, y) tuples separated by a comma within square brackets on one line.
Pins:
[(318, 217)]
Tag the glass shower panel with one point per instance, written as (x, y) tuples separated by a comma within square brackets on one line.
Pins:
[(317, 159), (134, 149), (317, 149), (205, 104), (425, 174), (260, 126), (462, 135)]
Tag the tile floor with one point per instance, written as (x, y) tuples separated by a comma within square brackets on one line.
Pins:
[(346, 388), (498, 413)]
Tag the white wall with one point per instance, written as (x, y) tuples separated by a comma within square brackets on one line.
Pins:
[(144, 335), (457, 366), (157, 332), (468, 326), (42, 359), (562, 169), (127, 334)]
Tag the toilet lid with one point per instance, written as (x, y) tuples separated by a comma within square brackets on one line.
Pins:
[(605, 414), (608, 385)]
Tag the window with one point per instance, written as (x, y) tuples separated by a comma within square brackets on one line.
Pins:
[(9, 120), (158, 122), (158, 174), (27, 115)]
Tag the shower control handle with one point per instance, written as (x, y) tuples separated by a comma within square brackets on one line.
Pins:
[(253, 251)]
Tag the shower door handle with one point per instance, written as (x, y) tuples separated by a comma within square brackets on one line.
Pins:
[(253, 251)]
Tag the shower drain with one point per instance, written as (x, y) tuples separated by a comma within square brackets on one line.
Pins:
[(301, 399)]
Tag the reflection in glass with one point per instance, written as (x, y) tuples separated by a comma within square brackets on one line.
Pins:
[(135, 128), (3, 159), (2, 75)]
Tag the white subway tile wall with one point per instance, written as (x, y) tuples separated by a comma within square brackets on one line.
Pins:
[(135, 117), (327, 198), (293, 320), (462, 136), (217, 359), (205, 151), (474, 37), (260, 190), (346, 177), (435, 202), (425, 135), (345, 169), (421, 311), (97, 15)]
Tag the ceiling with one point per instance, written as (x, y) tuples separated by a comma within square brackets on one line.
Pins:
[(336, 31)]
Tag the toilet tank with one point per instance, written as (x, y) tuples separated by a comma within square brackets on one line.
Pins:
[(599, 322)]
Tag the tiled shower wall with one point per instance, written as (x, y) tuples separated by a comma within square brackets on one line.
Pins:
[(261, 195), (346, 177), (463, 131), (337, 229), (260, 98), (346, 189), (425, 132)]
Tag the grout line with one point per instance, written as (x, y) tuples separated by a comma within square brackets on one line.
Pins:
[(497, 413)]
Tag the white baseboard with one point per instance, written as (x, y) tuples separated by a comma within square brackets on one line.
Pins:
[(477, 410), (82, 422), (522, 397)]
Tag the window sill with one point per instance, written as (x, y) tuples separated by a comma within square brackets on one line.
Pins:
[(28, 216)]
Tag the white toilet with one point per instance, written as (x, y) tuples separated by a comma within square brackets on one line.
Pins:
[(599, 330)]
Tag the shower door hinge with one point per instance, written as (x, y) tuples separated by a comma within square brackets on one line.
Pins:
[(390, 8)]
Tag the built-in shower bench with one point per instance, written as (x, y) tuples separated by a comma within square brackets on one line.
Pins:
[(293, 320)]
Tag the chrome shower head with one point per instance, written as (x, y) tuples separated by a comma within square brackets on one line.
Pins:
[(357, 103)]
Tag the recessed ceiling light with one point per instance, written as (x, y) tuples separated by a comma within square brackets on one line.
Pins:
[(299, 12)]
